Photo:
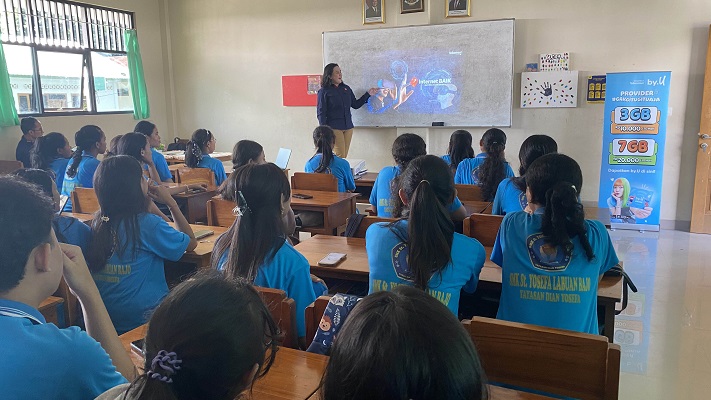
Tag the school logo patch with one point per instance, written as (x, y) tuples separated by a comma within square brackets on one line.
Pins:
[(522, 200), (475, 176), (402, 269), (545, 256)]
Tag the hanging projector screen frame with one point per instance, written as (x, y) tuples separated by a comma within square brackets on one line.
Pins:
[(459, 74)]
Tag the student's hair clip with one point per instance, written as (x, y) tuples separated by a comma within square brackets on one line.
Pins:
[(242, 207), (104, 218), (164, 366)]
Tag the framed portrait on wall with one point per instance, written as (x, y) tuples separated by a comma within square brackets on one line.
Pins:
[(411, 6), (374, 11), (458, 8)]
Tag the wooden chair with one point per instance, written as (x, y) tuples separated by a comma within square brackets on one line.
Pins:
[(84, 201), (367, 222), (555, 361), (483, 227), (314, 312), (9, 166), (187, 176), (71, 303), (52, 309), (283, 310), (320, 182), (219, 212), (469, 192)]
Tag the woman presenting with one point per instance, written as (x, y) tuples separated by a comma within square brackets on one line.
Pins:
[(335, 100)]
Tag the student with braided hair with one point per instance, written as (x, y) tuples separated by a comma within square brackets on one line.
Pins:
[(552, 259), (325, 162), (197, 154), (488, 168)]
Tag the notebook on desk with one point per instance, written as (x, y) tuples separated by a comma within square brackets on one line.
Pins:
[(282, 158)]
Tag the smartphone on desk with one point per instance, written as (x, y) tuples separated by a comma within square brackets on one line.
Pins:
[(302, 196), (332, 259), (203, 233), (137, 347)]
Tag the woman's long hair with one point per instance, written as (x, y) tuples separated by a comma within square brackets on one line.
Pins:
[(195, 149), (45, 150), (533, 147), (460, 148), (258, 233), (323, 141), (428, 187), (244, 152), (117, 183), (326, 77), (219, 328), (133, 144), (555, 181), (493, 169), (85, 139)]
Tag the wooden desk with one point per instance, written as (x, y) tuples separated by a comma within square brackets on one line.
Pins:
[(194, 205), (52, 309), (335, 206), (85, 218), (495, 393), (478, 207), (355, 268), (597, 213), (178, 156), (203, 252), (295, 374), (364, 185)]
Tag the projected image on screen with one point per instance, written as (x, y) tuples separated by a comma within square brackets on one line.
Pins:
[(415, 84)]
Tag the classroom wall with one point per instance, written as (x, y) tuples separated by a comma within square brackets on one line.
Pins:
[(227, 59), (150, 36)]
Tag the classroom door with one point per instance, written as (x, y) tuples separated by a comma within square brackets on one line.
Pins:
[(701, 209)]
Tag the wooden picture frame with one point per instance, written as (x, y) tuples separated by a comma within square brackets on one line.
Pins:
[(412, 6), (457, 8), (373, 12)]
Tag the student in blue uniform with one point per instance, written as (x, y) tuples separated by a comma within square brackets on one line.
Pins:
[(131, 240), (460, 148), (112, 148), (387, 204), (325, 162), (158, 160), (380, 352), (247, 152), (256, 246), (68, 229), (51, 153), (553, 259), (423, 250), (197, 154), (217, 330), (511, 193), (39, 360), (91, 142), (487, 169)]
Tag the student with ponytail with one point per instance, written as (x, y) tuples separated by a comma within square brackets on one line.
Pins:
[(423, 250), (91, 142), (157, 159), (213, 338), (460, 148), (197, 154), (511, 194), (325, 162), (131, 240), (51, 152), (552, 259), (256, 246), (487, 169)]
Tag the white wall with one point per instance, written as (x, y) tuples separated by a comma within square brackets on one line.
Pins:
[(150, 36)]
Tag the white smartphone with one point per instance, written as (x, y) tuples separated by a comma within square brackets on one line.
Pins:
[(332, 259)]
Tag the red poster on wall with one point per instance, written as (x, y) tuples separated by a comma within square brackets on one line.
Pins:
[(300, 90)]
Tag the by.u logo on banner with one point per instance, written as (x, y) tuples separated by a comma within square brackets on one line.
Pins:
[(634, 135)]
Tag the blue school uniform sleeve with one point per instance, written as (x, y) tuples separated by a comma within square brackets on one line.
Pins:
[(479, 256), (161, 166), (85, 172), (604, 248), (164, 241), (497, 253), (455, 205), (312, 164), (463, 174), (219, 170), (74, 232), (498, 206), (91, 365), (509, 171), (374, 194), (348, 180)]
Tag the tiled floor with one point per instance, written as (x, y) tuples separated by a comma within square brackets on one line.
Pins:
[(665, 333)]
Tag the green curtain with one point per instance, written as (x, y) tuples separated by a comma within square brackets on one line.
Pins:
[(8, 112), (141, 108)]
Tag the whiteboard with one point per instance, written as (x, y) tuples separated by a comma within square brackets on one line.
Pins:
[(460, 74)]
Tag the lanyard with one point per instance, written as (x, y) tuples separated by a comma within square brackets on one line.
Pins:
[(15, 313)]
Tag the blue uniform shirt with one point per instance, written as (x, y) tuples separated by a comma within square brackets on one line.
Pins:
[(59, 167), (509, 198), (71, 230), (162, 166), (381, 195), (41, 361), (289, 271), (84, 177), (333, 107), (543, 286), (339, 168), (132, 288), (216, 166), (387, 257), (468, 170)]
